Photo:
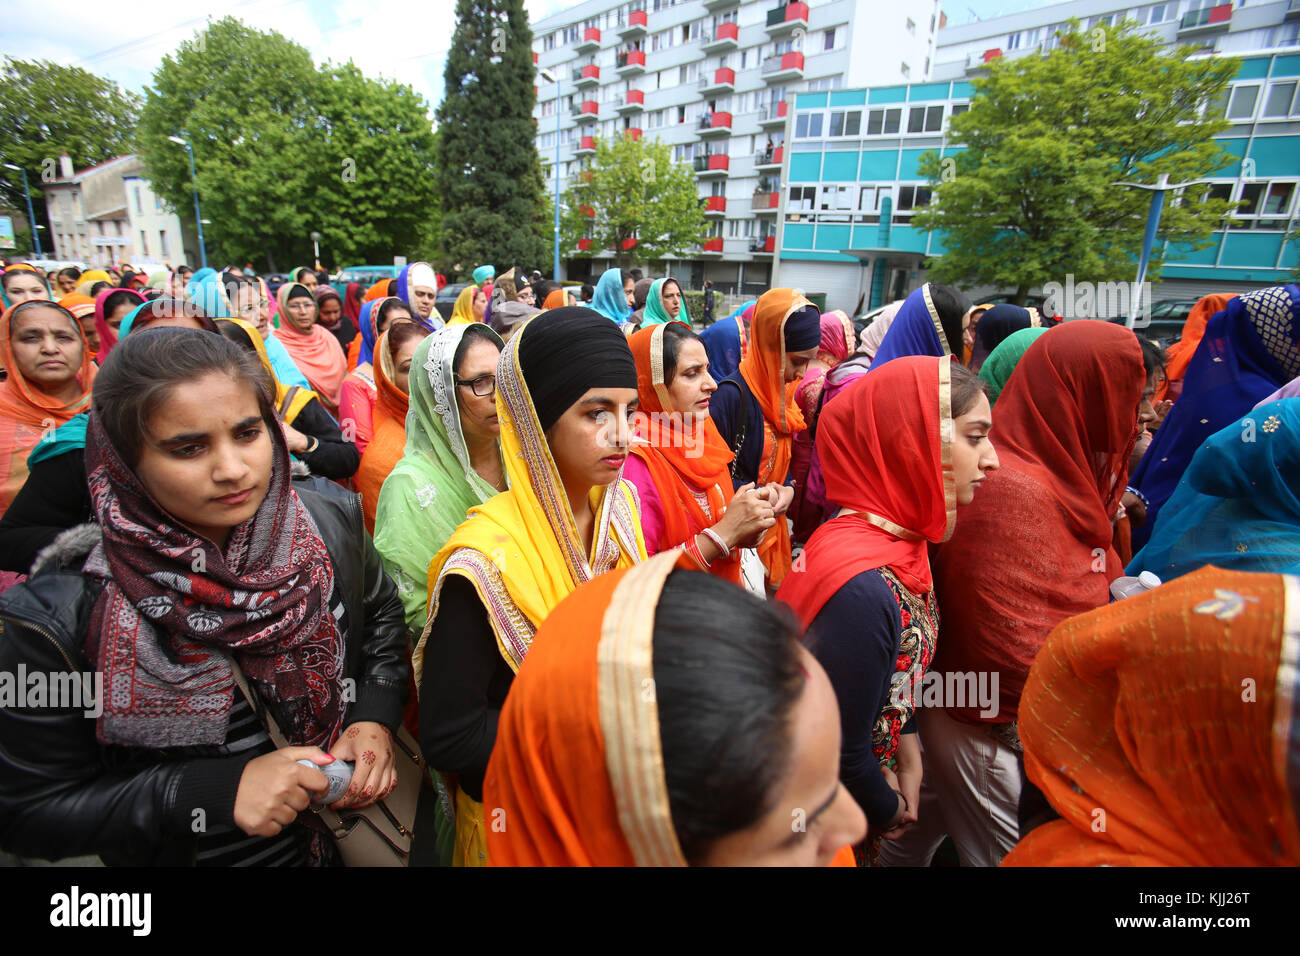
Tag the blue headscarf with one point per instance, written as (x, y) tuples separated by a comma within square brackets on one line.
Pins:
[(917, 330), (367, 354), (610, 300), (995, 326), (1238, 504), (1249, 350), (208, 292), (722, 343), (197, 278)]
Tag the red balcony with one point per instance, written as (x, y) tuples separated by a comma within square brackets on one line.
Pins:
[(588, 212), (773, 115), (534, 59), (769, 157), (715, 206), (634, 102), (635, 26), (723, 81), (587, 144), (726, 38), (769, 244), (630, 62), (712, 166), (584, 245), (713, 245), (714, 124), (766, 202), (588, 75), (589, 108), (590, 40), (632, 132), (787, 19), (991, 55), (784, 66), (628, 243)]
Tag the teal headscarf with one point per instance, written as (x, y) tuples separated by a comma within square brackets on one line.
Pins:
[(654, 305), (1002, 361), (427, 494)]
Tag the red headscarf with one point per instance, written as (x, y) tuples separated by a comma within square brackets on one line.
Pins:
[(679, 463), (886, 451), (1179, 355), (107, 335), (763, 368), (352, 302), (1035, 546)]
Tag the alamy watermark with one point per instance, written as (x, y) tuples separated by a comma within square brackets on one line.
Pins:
[(65, 690), (1097, 300)]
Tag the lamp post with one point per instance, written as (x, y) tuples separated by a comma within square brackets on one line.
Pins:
[(198, 216), (1162, 186), (315, 247), (552, 77), (31, 216)]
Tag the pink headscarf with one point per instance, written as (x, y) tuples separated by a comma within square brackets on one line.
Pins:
[(107, 336)]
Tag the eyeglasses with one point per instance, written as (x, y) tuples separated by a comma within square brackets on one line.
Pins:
[(483, 386)]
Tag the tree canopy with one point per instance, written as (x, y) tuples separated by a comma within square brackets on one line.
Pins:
[(1029, 196), (283, 148), (634, 191)]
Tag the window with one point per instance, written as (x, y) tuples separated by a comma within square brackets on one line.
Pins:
[(910, 197), (883, 121), (837, 200), (1263, 199), (905, 70), (548, 42), (162, 244), (681, 114), (1280, 99), (846, 123), (1013, 41), (959, 108), (138, 210), (828, 43), (144, 240), (808, 125), (925, 119), (1242, 104), (802, 198)]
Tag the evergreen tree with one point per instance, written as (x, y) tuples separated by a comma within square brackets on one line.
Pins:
[(489, 177)]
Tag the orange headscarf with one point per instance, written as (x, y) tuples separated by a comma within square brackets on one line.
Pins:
[(577, 769), (555, 299), (27, 414), (80, 306), (388, 445), (682, 459), (377, 291), (1179, 355), (763, 369), (1163, 728)]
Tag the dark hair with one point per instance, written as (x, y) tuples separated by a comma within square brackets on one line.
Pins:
[(675, 333), (1153, 359), (390, 303), (635, 274), (473, 333), (166, 307), (587, 292), (544, 288), (72, 272), (99, 286), (727, 678), (118, 298), (951, 304), (233, 282), (183, 268), (143, 369), (400, 334), (967, 387)]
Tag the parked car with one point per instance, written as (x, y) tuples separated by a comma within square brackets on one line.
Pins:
[(1164, 324), (366, 275), (446, 300)]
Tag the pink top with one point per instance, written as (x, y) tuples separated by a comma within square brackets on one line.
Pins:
[(357, 400), (652, 508)]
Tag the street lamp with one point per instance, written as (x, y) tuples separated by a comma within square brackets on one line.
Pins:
[(31, 216), (554, 77), (198, 216), (315, 245), (1161, 187)]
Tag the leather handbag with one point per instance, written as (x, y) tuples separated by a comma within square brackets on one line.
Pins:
[(377, 835)]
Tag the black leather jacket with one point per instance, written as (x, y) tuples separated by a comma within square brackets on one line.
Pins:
[(63, 793)]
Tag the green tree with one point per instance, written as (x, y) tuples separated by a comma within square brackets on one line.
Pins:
[(1029, 197), (633, 189), (488, 173), (47, 109), (283, 149)]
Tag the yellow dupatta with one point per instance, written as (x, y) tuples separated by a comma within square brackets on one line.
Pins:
[(520, 549), (289, 399), (462, 313)]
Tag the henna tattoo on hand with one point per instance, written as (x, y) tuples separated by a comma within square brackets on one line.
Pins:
[(353, 732), (368, 757)]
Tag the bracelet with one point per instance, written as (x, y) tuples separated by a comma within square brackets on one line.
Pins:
[(315, 443), (693, 549), (906, 807), (717, 539), (1139, 496)]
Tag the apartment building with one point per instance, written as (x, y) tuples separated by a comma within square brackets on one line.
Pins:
[(852, 186), (715, 80)]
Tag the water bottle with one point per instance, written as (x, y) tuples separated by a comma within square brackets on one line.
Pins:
[(1127, 586)]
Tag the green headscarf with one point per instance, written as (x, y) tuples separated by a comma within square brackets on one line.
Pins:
[(427, 494), (997, 368), (654, 305)]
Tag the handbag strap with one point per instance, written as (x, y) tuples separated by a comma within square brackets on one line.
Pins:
[(738, 441), (329, 817)]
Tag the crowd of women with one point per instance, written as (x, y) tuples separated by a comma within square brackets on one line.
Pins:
[(769, 593)]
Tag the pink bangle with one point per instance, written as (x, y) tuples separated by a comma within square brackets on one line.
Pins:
[(717, 539)]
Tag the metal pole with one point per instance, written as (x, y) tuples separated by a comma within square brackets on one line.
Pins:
[(198, 216), (555, 266), (1148, 240), (31, 215)]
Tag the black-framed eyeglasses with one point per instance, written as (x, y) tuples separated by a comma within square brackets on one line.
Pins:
[(482, 386)]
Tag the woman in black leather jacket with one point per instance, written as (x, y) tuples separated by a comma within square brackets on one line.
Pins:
[(205, 554)]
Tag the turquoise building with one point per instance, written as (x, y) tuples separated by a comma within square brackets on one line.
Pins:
[(851, 187)]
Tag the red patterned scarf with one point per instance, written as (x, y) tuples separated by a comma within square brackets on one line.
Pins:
[(172, 602)]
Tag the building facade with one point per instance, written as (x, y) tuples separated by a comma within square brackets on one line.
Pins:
[(108, 214), (715, 80), (845, 211)]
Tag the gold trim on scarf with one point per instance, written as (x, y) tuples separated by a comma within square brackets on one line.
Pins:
[(657, 367), (884, 524), (934, 317), (947, 435), (850, 337), (629, 714)]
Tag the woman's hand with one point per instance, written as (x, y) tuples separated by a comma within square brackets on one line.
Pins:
[(898, 823), (747, 516), (781, 496), (1132, 506), (910, 771), (295, 439), (274, 788), (370, 748)]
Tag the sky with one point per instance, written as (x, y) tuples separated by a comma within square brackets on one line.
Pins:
[(393, 39)]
